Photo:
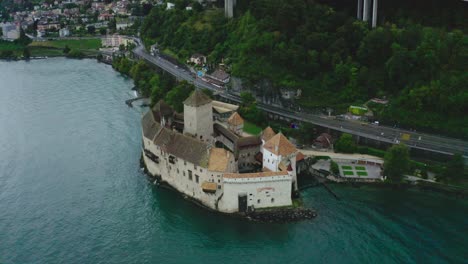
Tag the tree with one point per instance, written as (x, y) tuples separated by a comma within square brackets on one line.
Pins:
[(102, 31), (178, 94), (92, 30), (247, 99), (345, 144), (26, 53), (66, 50), (334, 167), (396, 162), (455, 169), (208, 92)]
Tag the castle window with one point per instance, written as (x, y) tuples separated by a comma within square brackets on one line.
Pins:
[(171, 159), (258, 201), (190, 175), (197, 178), (183, 173), (177, 170), (185, 163), (219, 180), (219, 187), (272, 200)]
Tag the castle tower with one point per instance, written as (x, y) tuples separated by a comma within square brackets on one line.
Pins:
[(198, 116)]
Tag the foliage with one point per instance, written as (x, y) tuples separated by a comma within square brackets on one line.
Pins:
[(66, 50), (75, 54), (177, 95), (334, 168), (251, 128), (334, 59), (81, 44), (345, 144), (454, 170), (396, 162)]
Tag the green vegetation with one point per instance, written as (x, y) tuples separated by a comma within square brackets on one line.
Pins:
[(361, 168), (335, 60), (348, 173), (81, 44), (75, 54), (334, 167), (454, 170), (345, 144), (251, 128), (344, 167), (361, 173), (396, 162)]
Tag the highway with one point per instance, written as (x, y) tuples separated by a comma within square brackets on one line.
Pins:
[(434, 143)]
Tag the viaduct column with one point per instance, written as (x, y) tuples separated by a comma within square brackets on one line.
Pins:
[(366, 10), (359, 9), (374, 13)]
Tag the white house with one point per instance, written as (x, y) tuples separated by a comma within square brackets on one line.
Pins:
[(170, 5), (64, 32)]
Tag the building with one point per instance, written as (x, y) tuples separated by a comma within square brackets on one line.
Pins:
[(170, 6), (197, 59), (209, 163), (236, 124), (10, 31), (116, 40), (64, 32)]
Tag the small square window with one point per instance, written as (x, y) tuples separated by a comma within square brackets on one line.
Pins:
[(258, 201), (272, 200)]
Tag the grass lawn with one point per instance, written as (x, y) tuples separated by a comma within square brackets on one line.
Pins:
[(7, 45), (361, 168), (251, 128), (362, 173), (348, 173), (43, 51), (344, 167), (82, 44)]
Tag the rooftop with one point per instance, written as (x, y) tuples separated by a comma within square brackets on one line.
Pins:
[(280, 145), (235, 119), (197, 98), (268, 133), (149, 126), (219, 160), (183, 147)]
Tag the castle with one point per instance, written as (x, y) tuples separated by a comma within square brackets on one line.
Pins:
[(211, 160)]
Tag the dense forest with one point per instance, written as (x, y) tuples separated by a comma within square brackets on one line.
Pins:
[(334, 59)]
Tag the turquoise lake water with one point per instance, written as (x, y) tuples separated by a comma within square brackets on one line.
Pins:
[(71, 191)]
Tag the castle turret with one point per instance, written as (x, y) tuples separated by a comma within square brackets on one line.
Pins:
[(198, 116)]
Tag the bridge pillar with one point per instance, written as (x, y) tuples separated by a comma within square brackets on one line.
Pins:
[(359, 9), (366, 10), (374, 13), (229, 8)]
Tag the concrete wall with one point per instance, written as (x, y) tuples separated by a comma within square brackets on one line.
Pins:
[(262, 192), (198, 121)]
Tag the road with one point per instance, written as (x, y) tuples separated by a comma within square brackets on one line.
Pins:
[(433, 143)]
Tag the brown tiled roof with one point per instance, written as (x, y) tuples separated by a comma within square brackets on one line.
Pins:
[(183, 147), (268, 133), (162, 109), (280, 145), (235, 119), (248, 141), (219, 159), (197, 98), (209, 186), (149, 126), (254, 175), (300, 156)]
